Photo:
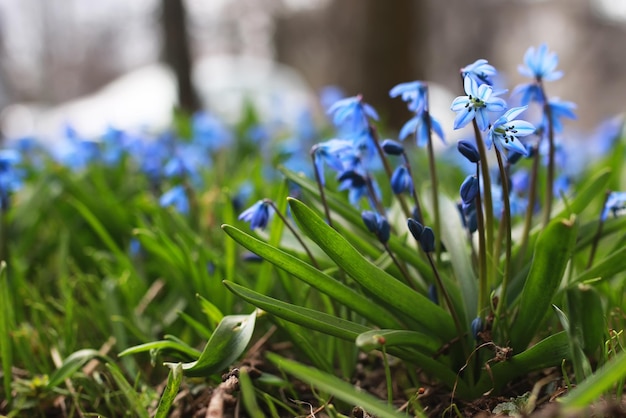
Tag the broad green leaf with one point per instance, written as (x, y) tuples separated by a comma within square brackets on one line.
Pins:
[(549, 352), (586, 313), (591, 389), (227, 343), (375, 339), (582, 368), (605, 269), (72, 363), (335, 386), (350, 214), (306, 317), (552, 252), (163, 345), (309, 274), (174, 380), (452, 235), (592, 190), (214, 315), (383, 286)]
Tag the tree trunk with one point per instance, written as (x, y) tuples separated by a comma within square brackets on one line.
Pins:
[(177, 52)]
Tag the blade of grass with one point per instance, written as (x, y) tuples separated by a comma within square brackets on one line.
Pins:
[(339, 388), (7, 324), (594, 386), (174, 380)]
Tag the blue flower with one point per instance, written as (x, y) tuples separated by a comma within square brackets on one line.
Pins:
[(480, 71), (505, 131), (257, 215), (401, 181), (10, 178), (558, 110), (352, 114), (540, 64), (418, 125), (331, 152), (413, 92), (377, 224), (479, 101), (615, 204), (529, 92), (176, 197)]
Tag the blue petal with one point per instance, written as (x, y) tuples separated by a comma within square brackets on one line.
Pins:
[(482, 119), (463, 117), (408, 128), (459, 103)]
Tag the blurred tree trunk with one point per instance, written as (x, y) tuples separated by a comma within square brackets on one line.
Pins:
[(363, 46), (176, 52)]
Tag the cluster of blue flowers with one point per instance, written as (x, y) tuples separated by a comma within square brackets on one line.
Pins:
[(355, 152)]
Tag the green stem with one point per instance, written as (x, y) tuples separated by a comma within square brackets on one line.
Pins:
[(387, 167), (387, 376), (483, 289), (488, 203), (433, 179), (320, 186), (547, 205), (598, 235), (506, 223), (293, 231), (418, 207), (401, 267), (528, 218)]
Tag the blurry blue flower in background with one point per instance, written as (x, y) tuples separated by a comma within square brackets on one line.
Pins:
[(176, 197), (10, 177), (615, 204), (540, 64), (257, 215)]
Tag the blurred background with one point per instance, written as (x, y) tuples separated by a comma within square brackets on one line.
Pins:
[(128, 63)]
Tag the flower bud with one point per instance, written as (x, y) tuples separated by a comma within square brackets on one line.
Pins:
[(416, 228), (427, 240), (469, 189), (477, 326), (392, 147), (469, 151)]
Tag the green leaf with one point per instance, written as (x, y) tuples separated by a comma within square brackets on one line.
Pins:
[(549, 352), (309, 274), (552, 252), (582, 368), (451, 232), (7, 323), (227, 343), (248, 396), (335, 386), (589, 390), (135, 401), (592, 190), (375, 339), (315, 320), (383, 286), (164, 345), (174, 380), (72, 363), (605, 269)]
